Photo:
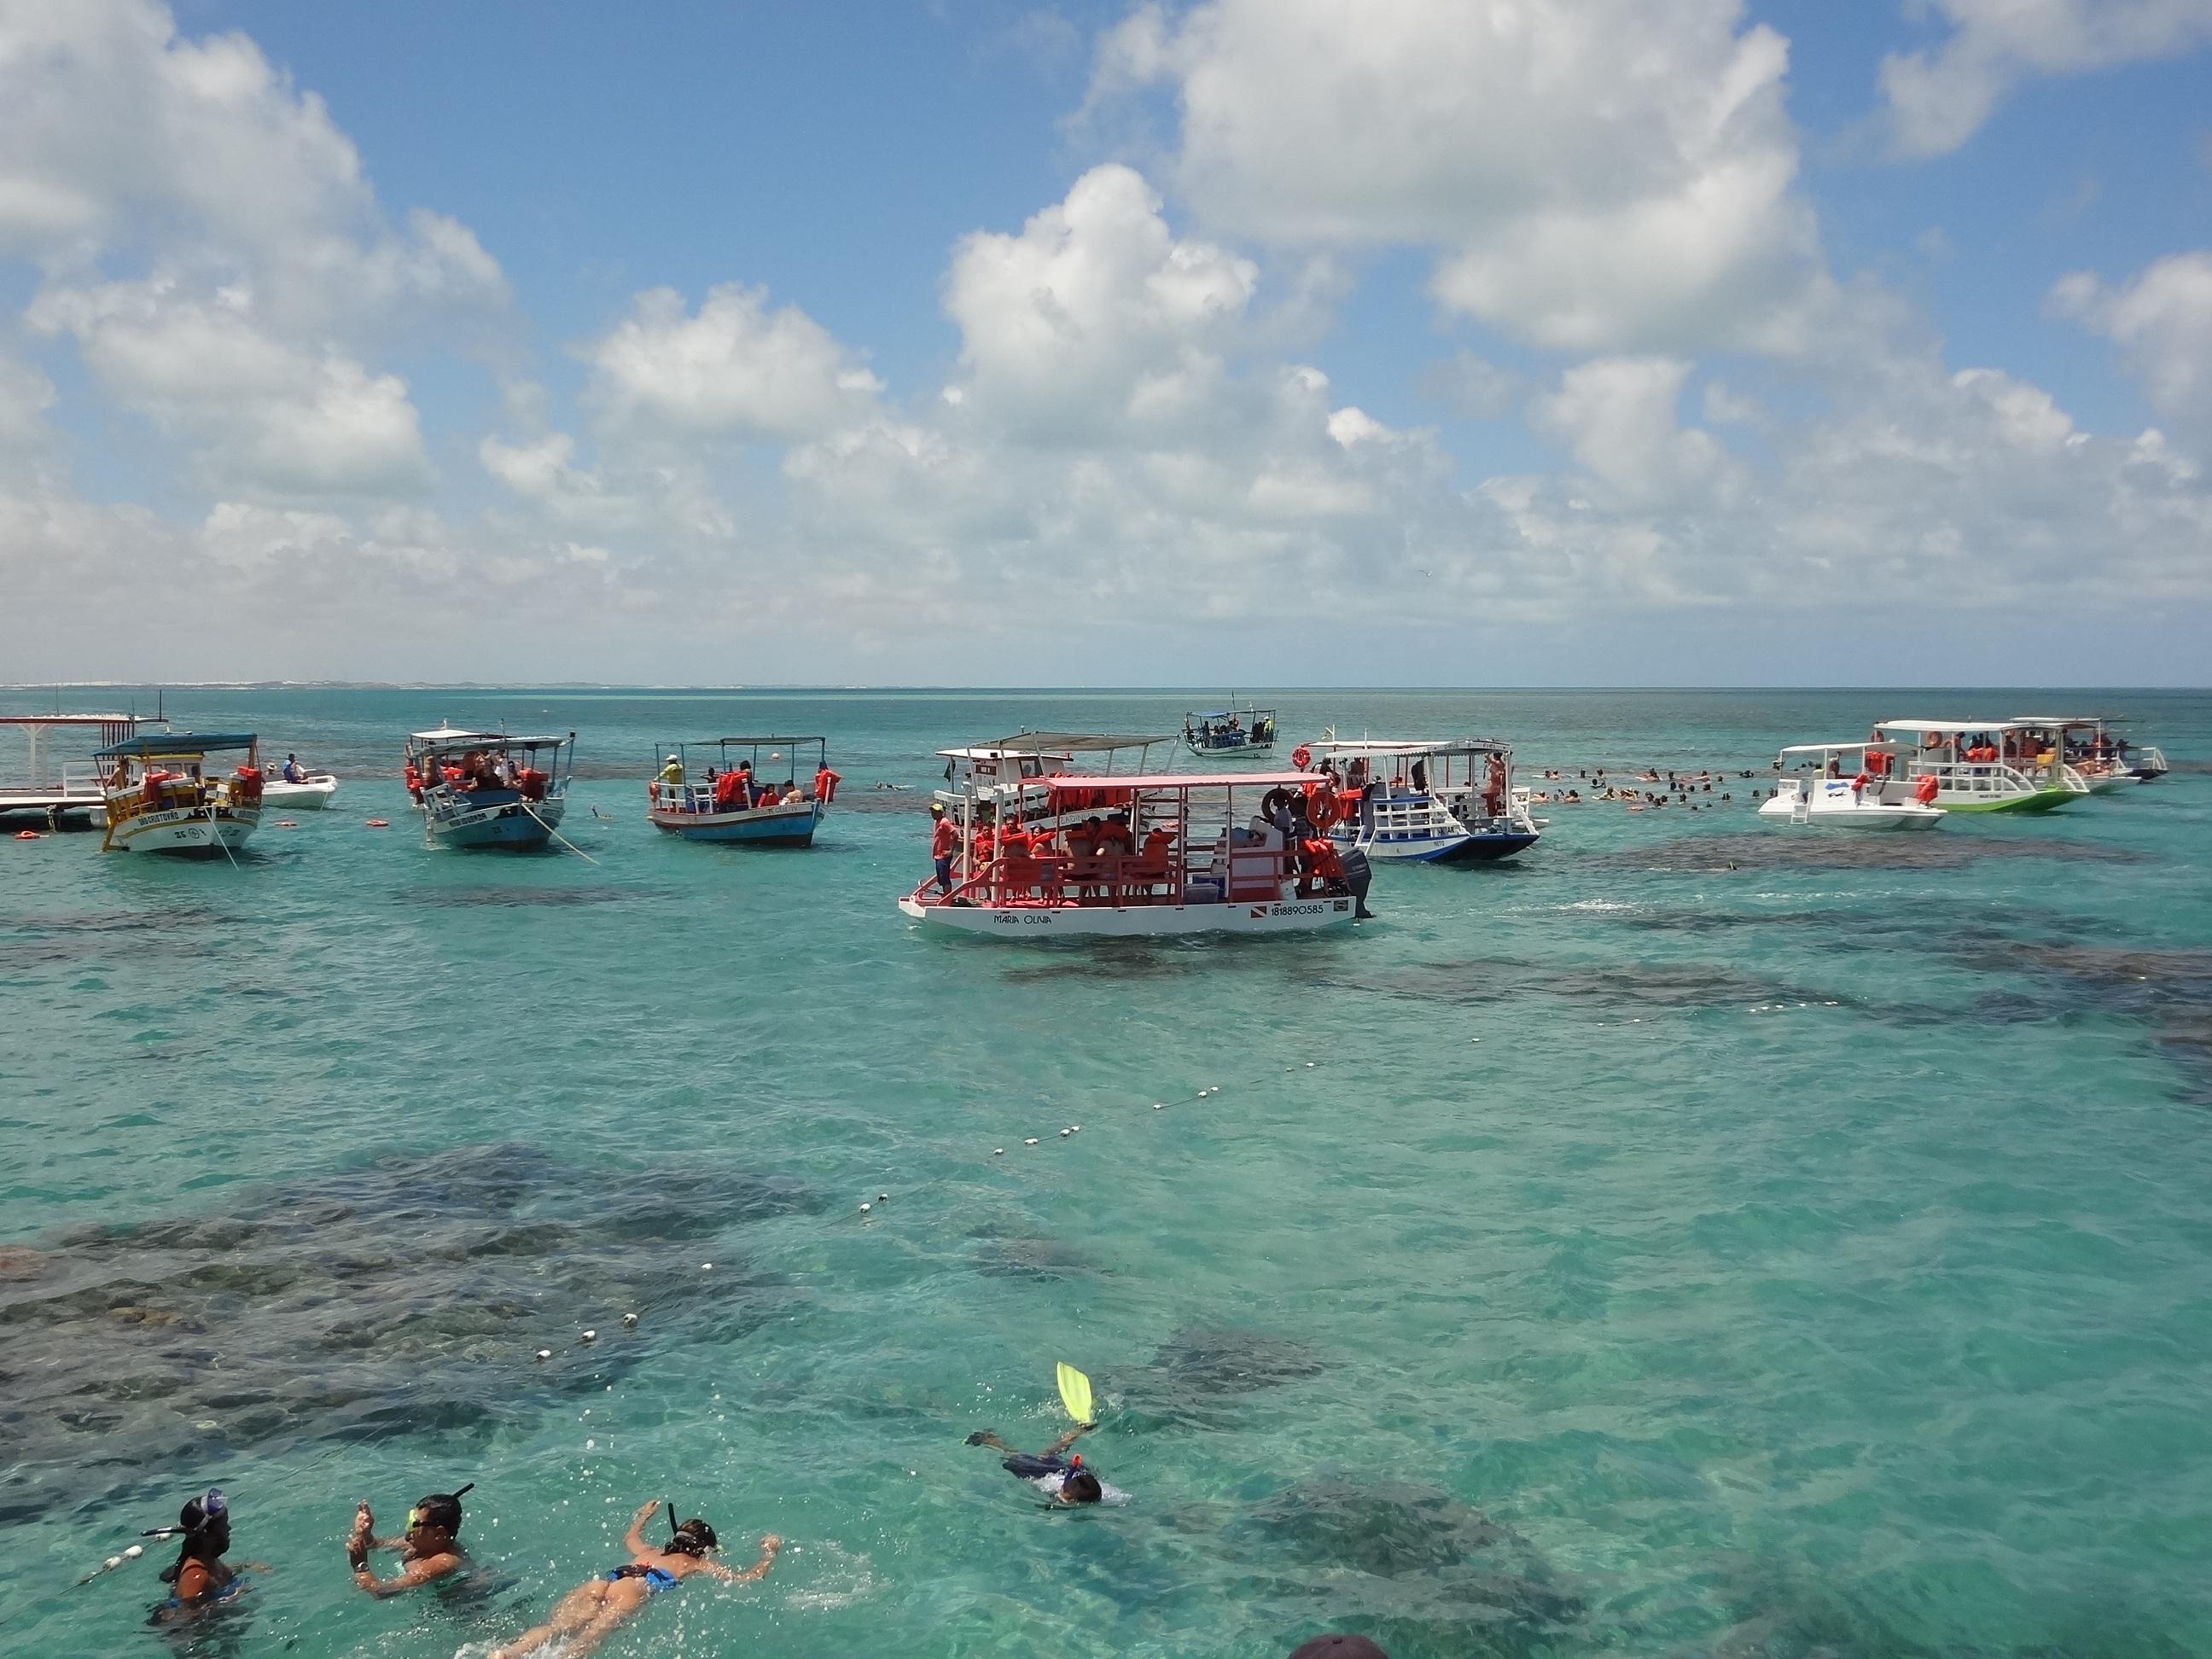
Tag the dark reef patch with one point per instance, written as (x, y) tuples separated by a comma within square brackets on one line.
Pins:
[(408, 1291)]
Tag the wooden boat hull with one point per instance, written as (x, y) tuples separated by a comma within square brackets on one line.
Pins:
[(1040, 921), (761, 826), (513, 825), (312, 796), (186, 832)]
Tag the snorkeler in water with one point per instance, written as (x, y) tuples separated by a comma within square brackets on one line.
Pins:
[(199, 1577), (429, 1549), (584, 1617), (1062, 1478)]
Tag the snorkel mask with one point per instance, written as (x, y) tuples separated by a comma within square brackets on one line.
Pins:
[(209, 1511), (694, 1537), (441, 1509)]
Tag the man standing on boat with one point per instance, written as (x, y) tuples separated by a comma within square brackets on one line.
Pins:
[(825, 784), (944, 842)]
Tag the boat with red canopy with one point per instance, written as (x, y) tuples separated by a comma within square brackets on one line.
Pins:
[(1139, 855)]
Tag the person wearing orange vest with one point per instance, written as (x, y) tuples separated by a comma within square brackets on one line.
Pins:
[(825, 784), (944, 842)]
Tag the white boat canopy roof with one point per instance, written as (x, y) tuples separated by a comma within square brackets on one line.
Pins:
[(1444, 746), (1053, 745), (1831, 748), (1952, 725), (453, 739)]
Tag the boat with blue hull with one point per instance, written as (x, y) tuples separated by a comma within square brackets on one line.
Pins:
[(489, 788), (1429, 803), (718, 791)]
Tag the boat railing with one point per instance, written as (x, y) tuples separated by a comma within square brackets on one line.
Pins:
[(1236, 875), (1999, 779), (699, 797)]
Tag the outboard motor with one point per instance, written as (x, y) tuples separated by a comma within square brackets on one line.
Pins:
[(1357, 875)]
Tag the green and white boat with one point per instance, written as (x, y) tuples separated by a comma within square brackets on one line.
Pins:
[(1986, 766)]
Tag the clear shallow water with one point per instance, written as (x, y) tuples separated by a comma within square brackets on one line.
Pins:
[(1688, 1238)]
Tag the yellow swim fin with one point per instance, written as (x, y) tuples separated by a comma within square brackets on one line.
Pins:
[(1075, 1392)]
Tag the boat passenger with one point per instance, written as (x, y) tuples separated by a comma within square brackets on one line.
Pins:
[(588, 1614), (1062, 1478), (825, 784), (791, 795), (672, 772), (944, 842), (429, 1549), (1114, 838), (292, 772)]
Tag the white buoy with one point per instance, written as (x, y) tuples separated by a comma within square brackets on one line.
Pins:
[(1031, 1141), (998, 1152), (1158, 1106), (1075, 1128), (134, 1552), (706, 1267), (882, 1197), (545, 1353), (629, 1319), (865, 1208), (1063, 1134), (590, 1336), (111, 1564), (1310, 1066)]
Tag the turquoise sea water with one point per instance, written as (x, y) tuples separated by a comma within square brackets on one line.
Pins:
[(1691, 1237)]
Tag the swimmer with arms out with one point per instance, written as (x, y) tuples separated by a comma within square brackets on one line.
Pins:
[(586, 1615), (429, 1549)]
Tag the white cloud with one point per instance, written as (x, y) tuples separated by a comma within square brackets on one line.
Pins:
[(255, 412), (1592, 173), (1935, 99), (2161, 318), (1095, 315), (211, 242), (1618, 415), (735, 369), (1475, 387)]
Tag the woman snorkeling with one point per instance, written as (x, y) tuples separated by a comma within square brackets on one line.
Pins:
[(586, 1615), (199, 1577)]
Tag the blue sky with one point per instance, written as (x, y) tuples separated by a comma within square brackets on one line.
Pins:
[(1583, 342)]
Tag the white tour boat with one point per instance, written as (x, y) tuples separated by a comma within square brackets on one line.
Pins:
[(311, 792), (737, 800), (1230, 733), (163, 797), (1012, 772), (488, 788), (1140, 855), (1871, 795), (2089, 746), (1983, 766), (1434, 803)]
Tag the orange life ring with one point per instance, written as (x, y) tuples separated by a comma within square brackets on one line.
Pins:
[(1301, 757)]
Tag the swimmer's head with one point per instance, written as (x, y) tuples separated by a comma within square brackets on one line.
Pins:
[(693, 1537), (440, 1511), (1081, 1486)]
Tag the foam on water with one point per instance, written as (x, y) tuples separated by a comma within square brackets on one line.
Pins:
[(1695, 1237)]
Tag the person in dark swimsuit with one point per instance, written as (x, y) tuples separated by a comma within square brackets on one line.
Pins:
[(586, 1615), (199, 1577), (1062, 1478), (429, 1549)]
